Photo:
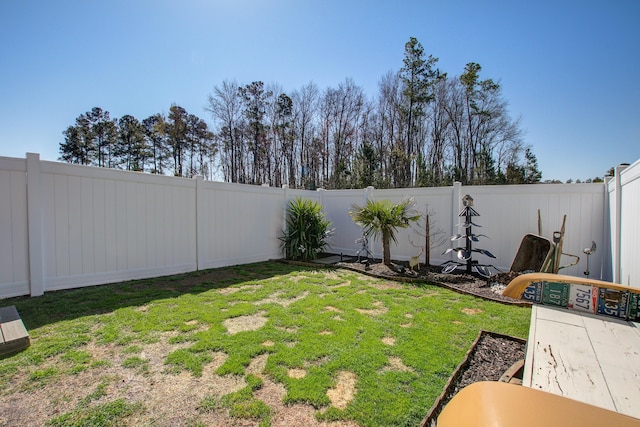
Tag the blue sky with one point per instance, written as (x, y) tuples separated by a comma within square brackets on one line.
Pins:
[(569, 69)]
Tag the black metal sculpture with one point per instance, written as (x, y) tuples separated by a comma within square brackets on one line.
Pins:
[(465, 253)]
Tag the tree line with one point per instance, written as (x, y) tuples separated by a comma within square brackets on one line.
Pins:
[(179, 143), (424, 128)]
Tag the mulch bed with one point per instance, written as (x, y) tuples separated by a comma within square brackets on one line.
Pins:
[(489, 357), (458, 280)]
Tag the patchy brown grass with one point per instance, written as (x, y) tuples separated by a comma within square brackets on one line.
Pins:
[(245, 323), (277, 299), (396, 364), (377, 311), (389, 341), (297, 373), (344, 391)]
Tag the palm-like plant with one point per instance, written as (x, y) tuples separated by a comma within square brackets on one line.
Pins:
[(307, 230), (382, 218)]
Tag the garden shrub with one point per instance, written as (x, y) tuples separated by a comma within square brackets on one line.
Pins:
[(306, 232)]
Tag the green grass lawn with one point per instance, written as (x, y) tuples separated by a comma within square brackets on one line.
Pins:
[(187, 347)]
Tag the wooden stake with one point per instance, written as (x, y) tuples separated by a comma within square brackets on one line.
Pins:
[(427, 243), (539, 224)]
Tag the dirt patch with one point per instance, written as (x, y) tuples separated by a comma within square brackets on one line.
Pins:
[(287, 415), (257, 365), (341, 285), (155, 354), (386, 286), (325, 332), (344, 391), (471, 311), (297, 373), (233, 290), (245, 323), (277, 299), (380, 309), (268, 343), (389, 341), (331, 275), (317, 362), (334, 309), (396, 364)]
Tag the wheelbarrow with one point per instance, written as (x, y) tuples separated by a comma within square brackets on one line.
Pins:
[(539, 254)]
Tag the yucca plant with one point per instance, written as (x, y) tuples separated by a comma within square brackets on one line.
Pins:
[(382, 218), (306, 232)]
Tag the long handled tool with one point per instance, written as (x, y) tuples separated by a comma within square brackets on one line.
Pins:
[(588, 252)]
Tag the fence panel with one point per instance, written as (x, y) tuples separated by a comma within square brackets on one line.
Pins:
[(14, 237), (101, 226), (240, 224), (630, 225), (337, 204), (436, 201), (508, 213)]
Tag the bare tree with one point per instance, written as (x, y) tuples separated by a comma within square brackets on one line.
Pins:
[(225, 106), (341, 108), (304, 115)]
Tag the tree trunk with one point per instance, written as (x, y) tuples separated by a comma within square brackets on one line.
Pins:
[(386, 250)]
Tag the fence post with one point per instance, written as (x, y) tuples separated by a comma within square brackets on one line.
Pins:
[(285, 206), (35, 229), (456, 197), (617, 221), (368, 194), (200, 223), (606, 271), (321, 196)]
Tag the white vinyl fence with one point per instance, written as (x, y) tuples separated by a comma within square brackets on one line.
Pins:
[(624, 217), (66, 226), (507, 214)]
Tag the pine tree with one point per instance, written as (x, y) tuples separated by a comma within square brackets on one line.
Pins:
[(532, 174), (417, 76)]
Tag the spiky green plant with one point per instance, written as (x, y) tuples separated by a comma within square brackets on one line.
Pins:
[(307, 230), (382, 218)]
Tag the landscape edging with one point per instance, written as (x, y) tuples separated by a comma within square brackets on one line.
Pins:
[(441, 401)]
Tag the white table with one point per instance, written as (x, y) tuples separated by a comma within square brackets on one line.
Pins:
[(593, 359)]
